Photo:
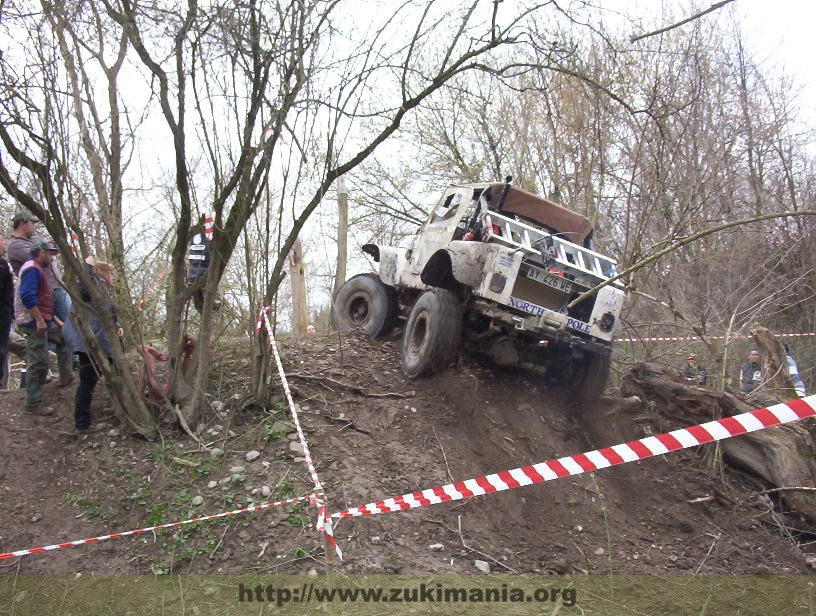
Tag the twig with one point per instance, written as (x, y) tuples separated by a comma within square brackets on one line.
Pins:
[(185, 426), (702, 499), (444, 457), (710, 9), (482, 554), (785, 489), (713, 544), (322, 380), (220, 541)]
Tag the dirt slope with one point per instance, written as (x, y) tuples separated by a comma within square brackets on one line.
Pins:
[(373, 435)]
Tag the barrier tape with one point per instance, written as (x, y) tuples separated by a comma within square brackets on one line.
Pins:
[(156, 282), (698, 338), (70, 544), (259, 324), (208, 228), (787, 412), (321, 524)]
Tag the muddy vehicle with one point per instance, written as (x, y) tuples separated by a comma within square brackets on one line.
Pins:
[(497, 266)]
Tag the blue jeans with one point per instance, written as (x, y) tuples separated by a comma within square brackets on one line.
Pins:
[(62, 303)]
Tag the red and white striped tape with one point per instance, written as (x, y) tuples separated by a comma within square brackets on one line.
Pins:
[(323, 523), (791, 411), (208, 228), (697, 338), (259, 324), (155, 285), (70, 544)]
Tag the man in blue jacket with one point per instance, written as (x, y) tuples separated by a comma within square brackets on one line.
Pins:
[(34, 313)]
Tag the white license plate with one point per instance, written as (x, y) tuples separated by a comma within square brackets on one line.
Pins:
[(551, 280)]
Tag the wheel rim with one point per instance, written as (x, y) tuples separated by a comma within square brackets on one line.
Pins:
[(359, 310), (419, 333)]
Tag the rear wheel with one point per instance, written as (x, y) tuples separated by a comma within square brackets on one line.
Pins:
[(365, 303), (590, 376), (432, 333)]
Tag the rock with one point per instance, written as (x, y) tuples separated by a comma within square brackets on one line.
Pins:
[(113, 433), (482, 566), (217, 405), (265, 464), (212, 484), (436, 547), (36, 517), (236, 396), (296, 448), (216, 428), (237, 469), (559, 565), (312, 572), (599, 552), (215, 451), (197, 500), (253, 455), (266, 491), (376, 540)]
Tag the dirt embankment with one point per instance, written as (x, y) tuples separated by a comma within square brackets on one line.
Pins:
[(373, 434)]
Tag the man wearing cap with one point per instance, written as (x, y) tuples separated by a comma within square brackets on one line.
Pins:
[(34, 313), (19, 251), (694, 371)]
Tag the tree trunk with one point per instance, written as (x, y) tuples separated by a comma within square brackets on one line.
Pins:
[(300, 309)]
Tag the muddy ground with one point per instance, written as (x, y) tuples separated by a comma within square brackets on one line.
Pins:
[(373, 434)]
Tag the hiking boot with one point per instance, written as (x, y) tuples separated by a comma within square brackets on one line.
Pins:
[(38, 409), (67, 382), (93, 428)]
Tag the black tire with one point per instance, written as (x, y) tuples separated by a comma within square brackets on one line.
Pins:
[(590, 377), (432, 333), (365, 303)]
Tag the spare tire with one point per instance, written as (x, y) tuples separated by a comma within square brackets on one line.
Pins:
[(365, 303), (432, 333)]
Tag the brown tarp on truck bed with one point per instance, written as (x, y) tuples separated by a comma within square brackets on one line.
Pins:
[(572, 226)]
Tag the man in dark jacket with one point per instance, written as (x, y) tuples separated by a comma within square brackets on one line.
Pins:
[(751, 372), (6, 313), (102, 274), (34, 313)]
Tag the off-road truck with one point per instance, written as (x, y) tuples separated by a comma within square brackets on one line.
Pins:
[(499, 266)]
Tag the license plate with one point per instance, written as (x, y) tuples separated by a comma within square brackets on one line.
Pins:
[(551, 280)]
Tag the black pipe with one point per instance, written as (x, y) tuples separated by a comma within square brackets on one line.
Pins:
[(505, 190)]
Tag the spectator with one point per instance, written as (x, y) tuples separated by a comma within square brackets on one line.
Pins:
[(751, 372), (34, 313), (6, 313), (694, 371), (793, 371), (198, 261), (310, 330), (102, 274), (19, 251)]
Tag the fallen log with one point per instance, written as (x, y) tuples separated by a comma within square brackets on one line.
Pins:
[(783, 456)]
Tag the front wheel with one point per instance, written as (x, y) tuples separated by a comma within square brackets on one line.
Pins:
[(365, 303), (432, 333)]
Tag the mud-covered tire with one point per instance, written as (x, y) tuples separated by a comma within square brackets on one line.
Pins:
[(365, 303), (432, 333), (590, 377)]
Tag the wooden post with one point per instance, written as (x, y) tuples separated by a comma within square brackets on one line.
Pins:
[(342, 234), (300, 309)]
